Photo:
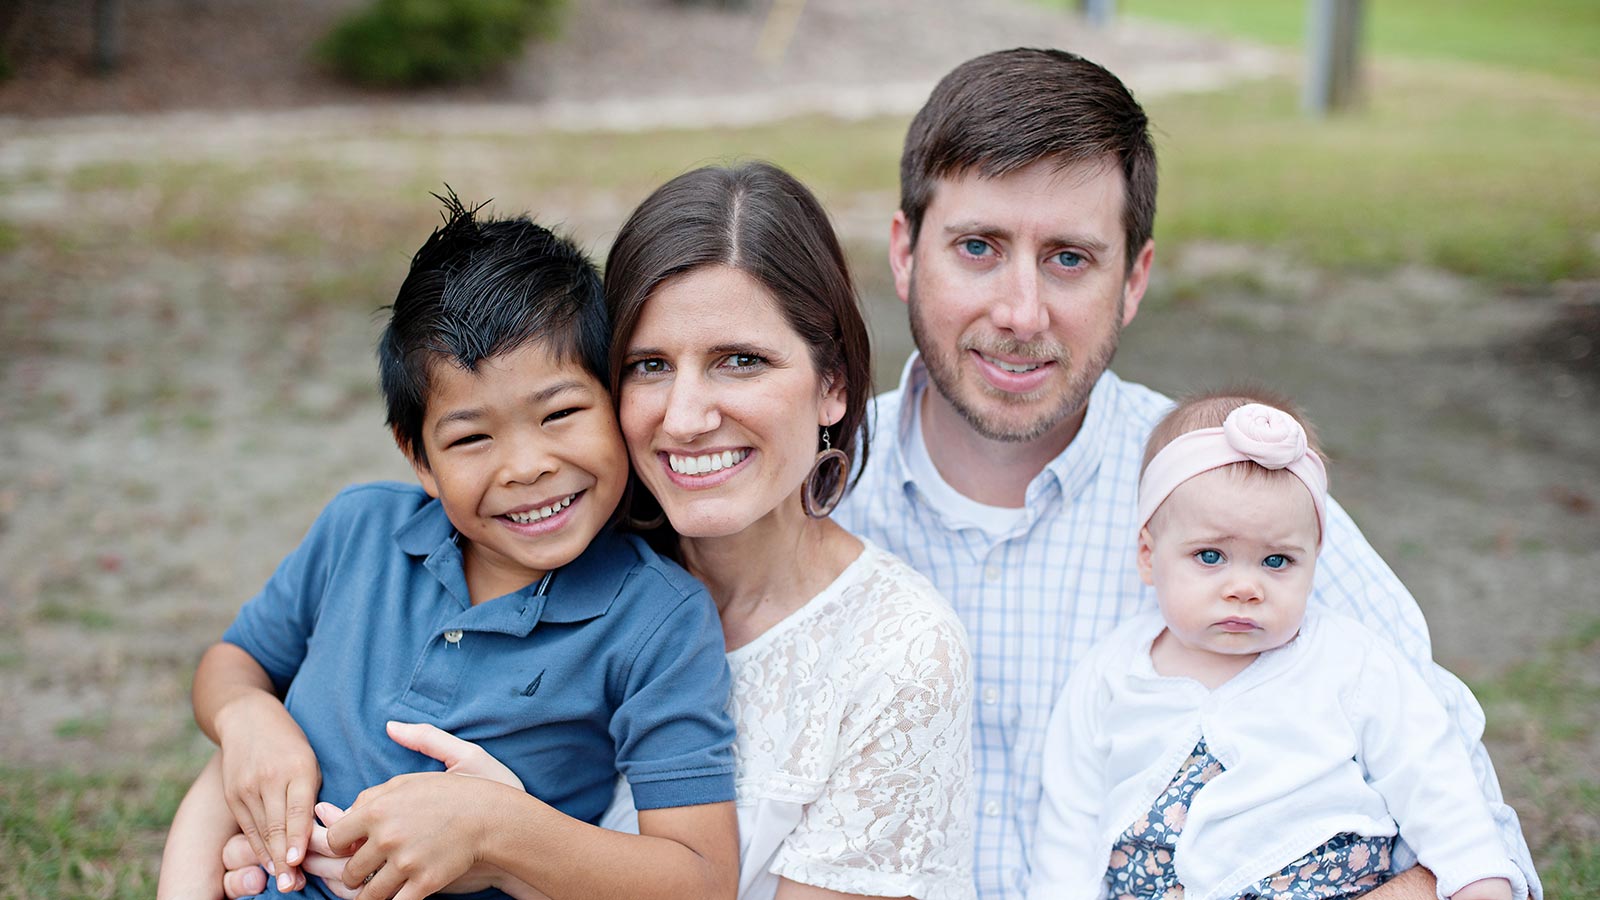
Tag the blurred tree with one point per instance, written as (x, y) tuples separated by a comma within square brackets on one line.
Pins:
[(107, 35), (399, 43)]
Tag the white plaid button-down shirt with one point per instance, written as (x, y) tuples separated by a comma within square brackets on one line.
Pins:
[(1035, 599)]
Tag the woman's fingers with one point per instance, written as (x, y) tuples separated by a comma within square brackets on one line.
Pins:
[(459, 757), (247, 881)]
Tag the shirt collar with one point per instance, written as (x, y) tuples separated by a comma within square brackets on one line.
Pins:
[(582, 589), (1073, 469)]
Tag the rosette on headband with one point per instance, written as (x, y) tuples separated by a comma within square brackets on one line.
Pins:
[(1254, 433)]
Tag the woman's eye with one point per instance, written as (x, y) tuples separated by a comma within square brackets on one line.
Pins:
[(975, 247), (647, 366), (744, 360), (1276, 561), (1209, 557), (1069, 260)]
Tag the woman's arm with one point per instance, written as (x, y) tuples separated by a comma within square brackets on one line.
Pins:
[(417, 833), (269, 774), (191, 863)]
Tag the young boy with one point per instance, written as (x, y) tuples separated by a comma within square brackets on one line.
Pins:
[(493, 602)]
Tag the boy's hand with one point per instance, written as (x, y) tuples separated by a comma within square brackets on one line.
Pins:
[(270, 777)]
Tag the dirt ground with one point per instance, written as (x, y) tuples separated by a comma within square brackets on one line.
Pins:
[(169, 425)]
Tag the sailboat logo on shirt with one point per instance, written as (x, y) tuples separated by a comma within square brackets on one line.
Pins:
[(533, 686)]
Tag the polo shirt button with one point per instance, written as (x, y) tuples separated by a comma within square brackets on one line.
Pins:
[(992, 808), (453, 636), (991, 695)]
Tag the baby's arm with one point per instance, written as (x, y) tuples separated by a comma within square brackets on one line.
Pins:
[(1066, 859), (1412, 758), (191, 864), (268, 771)]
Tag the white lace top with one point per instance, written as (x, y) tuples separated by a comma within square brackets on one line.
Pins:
[(853, 751)]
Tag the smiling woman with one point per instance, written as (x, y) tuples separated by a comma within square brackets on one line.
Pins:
[(740, 362)]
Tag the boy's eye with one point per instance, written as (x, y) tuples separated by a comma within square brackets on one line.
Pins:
[(1277, 561), (467, 439), (1208, 556), (561, 414)]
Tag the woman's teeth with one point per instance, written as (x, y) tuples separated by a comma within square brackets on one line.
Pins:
[(543, 512), (710, 462)]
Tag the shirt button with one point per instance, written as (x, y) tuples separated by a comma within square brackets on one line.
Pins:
[(992, 808), (453, 636), (992, 574), (991, 695)]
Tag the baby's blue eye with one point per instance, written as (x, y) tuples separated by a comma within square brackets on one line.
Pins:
[(1209, 557), (1276, 561), (975, 247)]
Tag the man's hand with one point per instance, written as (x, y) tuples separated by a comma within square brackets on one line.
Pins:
[(270, 778)]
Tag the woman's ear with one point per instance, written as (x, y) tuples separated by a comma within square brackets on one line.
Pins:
[(833, 405)]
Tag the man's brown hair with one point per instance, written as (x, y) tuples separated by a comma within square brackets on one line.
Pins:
[(1002, 111)]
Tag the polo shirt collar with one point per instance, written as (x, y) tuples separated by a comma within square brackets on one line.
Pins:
[(1073, 470), (583, 589)]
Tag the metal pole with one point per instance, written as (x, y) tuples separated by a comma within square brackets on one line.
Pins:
[(1333, 55), (1099, 13), (107, 35)]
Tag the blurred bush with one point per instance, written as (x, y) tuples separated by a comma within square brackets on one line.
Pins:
[(403, 43)]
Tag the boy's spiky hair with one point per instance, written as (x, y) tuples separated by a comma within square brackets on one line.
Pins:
[(479, 288)]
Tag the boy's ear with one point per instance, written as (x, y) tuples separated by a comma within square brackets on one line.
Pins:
[(419, 463), (1146, 553)]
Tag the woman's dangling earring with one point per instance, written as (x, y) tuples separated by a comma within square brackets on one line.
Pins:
[(822, 492)]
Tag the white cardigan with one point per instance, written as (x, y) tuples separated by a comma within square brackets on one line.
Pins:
[(1331, 733)]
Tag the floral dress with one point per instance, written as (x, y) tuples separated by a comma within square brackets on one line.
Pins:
[(1141, 864)]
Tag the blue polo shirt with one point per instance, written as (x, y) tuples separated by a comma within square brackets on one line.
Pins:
[(613, 663)]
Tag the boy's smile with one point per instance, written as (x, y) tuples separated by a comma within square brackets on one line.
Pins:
[(526, 457)]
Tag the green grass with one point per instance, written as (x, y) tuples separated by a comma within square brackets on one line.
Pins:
[(1559, 37), (1484, 174), (1542, 715), (65, 836)]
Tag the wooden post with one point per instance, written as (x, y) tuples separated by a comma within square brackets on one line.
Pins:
[(107, 35), (1098, 13), (1333, 56)]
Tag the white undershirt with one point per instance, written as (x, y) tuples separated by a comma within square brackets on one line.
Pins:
[(995, 521)]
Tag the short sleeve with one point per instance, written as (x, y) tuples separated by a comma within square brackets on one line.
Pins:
[(894, 817), (673, 735), (275, 625)]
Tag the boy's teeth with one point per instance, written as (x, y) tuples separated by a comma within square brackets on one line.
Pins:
[(543, 512), (1012, 367), (710, 462)]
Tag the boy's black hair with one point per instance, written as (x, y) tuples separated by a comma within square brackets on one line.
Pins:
[(478, 289)]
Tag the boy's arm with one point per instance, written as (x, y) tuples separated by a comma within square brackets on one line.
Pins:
[(191, 863), (269, 774), (416, 833)]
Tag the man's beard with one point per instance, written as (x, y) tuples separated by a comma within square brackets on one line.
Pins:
[(944, 371)]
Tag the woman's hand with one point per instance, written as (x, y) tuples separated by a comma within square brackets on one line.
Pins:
[(415, 835), (270, 777)]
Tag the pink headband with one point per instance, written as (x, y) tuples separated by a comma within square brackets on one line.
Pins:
[(1252, 433)]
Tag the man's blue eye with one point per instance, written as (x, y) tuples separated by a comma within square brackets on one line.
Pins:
[(1069, 259), (1276, 561), (975, 247), (1209, 557)]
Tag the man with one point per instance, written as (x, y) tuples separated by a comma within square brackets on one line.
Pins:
[(1022, 248)]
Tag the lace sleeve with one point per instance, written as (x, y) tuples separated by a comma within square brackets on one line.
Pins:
[(895, 818)]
